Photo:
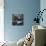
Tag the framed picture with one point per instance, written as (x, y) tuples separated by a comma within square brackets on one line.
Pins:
[(17, 19)]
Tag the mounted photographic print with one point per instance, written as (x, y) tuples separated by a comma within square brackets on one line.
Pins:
[(17, 19)]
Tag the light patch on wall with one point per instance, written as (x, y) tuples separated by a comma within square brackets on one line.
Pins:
[(1, 24), (1, 3)]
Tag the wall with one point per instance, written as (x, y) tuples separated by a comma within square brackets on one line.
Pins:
[(28, 8), (43, 6)]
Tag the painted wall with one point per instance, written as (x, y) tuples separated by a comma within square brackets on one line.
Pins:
[(28, 8), (43, 6)]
